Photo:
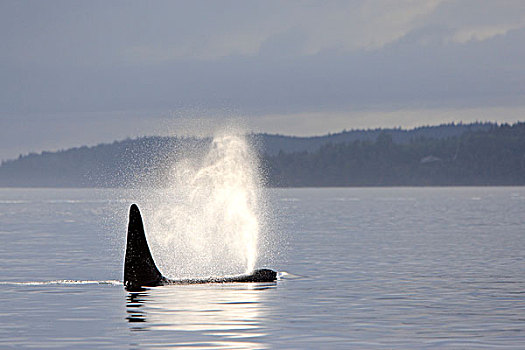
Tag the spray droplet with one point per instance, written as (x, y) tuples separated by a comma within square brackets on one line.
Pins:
[(205, 222)]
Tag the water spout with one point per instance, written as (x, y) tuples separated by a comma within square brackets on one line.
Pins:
[(206, 222)]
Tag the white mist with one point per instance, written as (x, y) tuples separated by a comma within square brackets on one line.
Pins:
[(205, 222)]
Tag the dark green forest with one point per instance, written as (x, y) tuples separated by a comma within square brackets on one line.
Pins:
[(489, 157), (446, 155)]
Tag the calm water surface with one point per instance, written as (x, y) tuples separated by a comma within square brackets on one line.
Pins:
[(371, 268)]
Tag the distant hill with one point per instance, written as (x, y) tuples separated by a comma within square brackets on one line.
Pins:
[(273, 144), (480, 157), (121, 163), (451, 154)]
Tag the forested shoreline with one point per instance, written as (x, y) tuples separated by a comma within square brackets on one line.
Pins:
[(493, 157), (475, 154)]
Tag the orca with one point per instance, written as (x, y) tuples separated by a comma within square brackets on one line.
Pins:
[(140, 269)]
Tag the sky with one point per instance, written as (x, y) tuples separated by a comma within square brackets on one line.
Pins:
[(85, 72)]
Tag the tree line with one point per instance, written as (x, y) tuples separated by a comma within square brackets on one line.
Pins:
[(463, 155), (484, 157)]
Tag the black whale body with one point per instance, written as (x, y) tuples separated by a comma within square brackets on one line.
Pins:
[(140, 269)]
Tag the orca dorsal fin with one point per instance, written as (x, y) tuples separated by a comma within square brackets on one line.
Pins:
[(139, 266)]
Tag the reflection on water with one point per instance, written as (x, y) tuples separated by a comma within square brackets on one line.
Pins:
[(135, 303), (209, 315)]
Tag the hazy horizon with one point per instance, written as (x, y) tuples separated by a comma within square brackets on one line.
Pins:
[(209, 131)]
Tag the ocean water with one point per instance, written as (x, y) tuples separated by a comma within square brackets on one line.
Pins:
[(363, 268)]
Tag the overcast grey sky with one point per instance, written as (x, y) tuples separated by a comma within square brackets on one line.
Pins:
[(83, 72)]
